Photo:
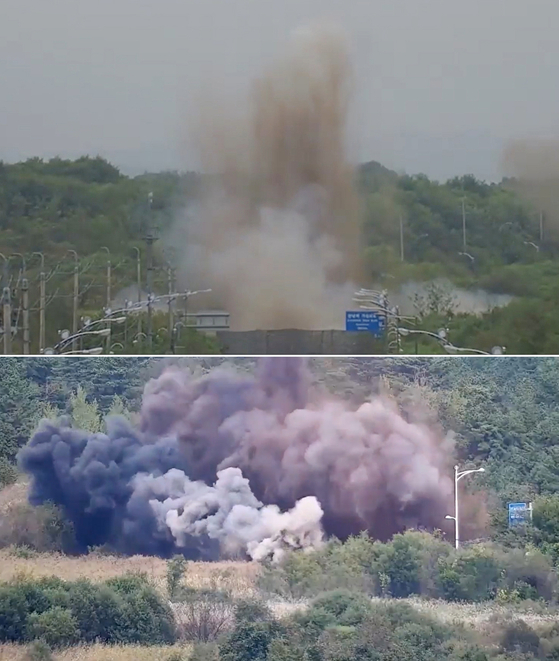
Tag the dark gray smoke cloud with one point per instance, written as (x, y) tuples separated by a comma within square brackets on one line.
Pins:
[(231, 464)]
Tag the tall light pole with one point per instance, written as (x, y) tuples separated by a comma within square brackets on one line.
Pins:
[(76, 294), (139, 281), (401, 238), (42, 303), (458, 475), (108, 275)]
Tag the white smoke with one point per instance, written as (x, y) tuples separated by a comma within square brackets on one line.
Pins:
[(229, 512)]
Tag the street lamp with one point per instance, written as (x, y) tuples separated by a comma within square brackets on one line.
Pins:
[(458, 475), (67, 338), (467, 254)]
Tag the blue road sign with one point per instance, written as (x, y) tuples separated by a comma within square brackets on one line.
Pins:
[(365, 320), (519, 513)]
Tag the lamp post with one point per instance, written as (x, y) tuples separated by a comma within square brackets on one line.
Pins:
[(108, 274), (458, 475), (67, 338), (42, 302)]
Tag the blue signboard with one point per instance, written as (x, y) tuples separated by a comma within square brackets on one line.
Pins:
[(368, 321), (519, 513)]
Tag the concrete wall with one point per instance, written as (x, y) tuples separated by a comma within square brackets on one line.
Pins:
[(299, 342)]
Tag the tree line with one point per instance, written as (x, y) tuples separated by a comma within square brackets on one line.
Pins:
[(87, 205)]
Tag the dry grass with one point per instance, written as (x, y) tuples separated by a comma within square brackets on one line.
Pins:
[(15, 494), (479, 614), (101, 653), (239, 577)]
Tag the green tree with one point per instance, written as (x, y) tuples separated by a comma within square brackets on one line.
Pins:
[(19, 405), (85, 415)]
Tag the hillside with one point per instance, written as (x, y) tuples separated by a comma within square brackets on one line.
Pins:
[(410, 596), (89, 207)]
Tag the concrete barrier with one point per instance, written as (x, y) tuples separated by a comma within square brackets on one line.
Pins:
[(299, 342)]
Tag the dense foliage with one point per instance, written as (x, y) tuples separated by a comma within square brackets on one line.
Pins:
[(88, 206), (122, 610)]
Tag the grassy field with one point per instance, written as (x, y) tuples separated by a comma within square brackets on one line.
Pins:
[(101, 653), (237, 577)]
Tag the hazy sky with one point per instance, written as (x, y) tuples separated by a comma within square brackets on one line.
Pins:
[(441, 85)]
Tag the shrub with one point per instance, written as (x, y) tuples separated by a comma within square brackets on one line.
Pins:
[(147, 620), (203, 615), (56, 626), (128, 583), (204, 652), (345, 607), (22, 552), (175, 656), (176, 568), (530, 574), (304, 573), (472, 575), (401, 562), (281, 649), (248, 641), (42, 528), (98, 611), (519, 637), (8, 473), (252, 610), (13, 614), (39, 651), (135, 614), (423, 640)]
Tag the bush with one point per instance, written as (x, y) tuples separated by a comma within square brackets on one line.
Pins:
[(204, 652), (147, 620), (530, 574), (42, 528), (252, 610), (346, 608), (472, 575), (56, 626), (249, 641), (400, 561), (176, 568), (519, 637), (135, 614), (98, 611), (8, 473), (203, 615), (39, 651)]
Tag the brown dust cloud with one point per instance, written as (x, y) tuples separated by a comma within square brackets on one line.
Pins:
[(534, 167), (276, 232)]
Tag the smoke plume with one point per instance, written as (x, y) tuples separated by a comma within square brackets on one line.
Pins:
[(276, 235), (251, 465), (534, 164)]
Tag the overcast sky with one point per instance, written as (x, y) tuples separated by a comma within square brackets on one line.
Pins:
[(442, 85)]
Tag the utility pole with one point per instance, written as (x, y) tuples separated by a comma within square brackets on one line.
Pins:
[(25, 314), (42, 303), (7, 320), (402, 238), (171, 285), (150, 240), (75, 297), (464, 224), (541, 228), (139, 281), (108, 275)]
